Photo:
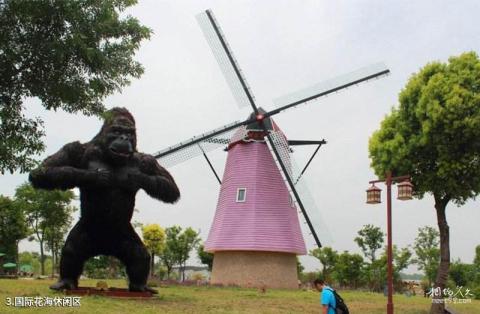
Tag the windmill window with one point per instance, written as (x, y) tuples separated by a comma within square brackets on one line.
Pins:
[(241, 195)]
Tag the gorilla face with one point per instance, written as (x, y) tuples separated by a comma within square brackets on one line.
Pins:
[(120, 140)]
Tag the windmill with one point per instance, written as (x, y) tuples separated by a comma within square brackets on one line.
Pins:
[(255, 234)]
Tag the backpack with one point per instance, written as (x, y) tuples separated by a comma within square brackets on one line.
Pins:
[(341, 307)]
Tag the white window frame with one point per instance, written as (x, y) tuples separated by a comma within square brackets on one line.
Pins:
[(244, 195)]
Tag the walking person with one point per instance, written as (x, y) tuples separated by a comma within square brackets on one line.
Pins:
[(327, 298)]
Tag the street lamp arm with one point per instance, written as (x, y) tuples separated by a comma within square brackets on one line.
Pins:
[(394, 179)]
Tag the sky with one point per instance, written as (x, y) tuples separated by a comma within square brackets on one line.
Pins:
[(284, 46)]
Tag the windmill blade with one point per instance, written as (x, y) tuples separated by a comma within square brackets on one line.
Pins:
[(280, 149), (199, 145), (330, 86), (310, 205), (228, 64)]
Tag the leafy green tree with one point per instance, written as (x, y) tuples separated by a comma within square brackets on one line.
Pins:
[(178, 246), (68, 54), (370, 239), (461, 274), (96, 267), (154, 240), (59, 223), (47, 213), (13, 228), (170, 255), (188, 241), (476, 259), (401, 260), (427, 252), (300, 268), (433, 136), (348, 269), (102, 267), (30, 258), (476, 264), (328, 258), (376, 273), (205, 257)]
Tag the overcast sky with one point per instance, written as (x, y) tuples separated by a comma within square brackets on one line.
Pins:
[(283, 46)]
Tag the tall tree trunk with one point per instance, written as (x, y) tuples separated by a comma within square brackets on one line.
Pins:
[(152, 264), (53, 259), (57, 270), (183, 270), (42, 259), (169, 270), (438, 307), (16, 255)]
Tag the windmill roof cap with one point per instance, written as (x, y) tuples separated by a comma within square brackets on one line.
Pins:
[(267, 122)]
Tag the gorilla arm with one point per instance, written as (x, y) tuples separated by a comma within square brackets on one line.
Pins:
[(155, 180), (62, 170)]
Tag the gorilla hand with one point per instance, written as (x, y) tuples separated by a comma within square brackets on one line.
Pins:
[(103, 177)]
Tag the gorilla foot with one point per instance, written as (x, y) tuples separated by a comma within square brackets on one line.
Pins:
[(141, 288), (64, 284)]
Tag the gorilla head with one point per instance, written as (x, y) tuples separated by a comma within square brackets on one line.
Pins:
[(117, 138)]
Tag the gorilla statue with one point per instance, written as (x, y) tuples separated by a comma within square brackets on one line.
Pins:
[(109, 171)]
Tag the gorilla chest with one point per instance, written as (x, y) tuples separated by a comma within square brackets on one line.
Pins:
[(99, 165), (117, 176), (113, 199)]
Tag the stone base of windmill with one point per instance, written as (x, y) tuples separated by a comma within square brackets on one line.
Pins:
[(255, 269)]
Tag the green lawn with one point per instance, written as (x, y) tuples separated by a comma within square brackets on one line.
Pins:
[(177, 299)]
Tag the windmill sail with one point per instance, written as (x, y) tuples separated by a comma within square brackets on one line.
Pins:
[(228, 64), (197, 145), (330, 86), (281, 150), (310, 205)]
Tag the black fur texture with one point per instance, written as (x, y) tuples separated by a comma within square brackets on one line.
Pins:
[(109, 171)]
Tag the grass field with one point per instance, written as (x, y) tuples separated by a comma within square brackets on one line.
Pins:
[(181, 299)]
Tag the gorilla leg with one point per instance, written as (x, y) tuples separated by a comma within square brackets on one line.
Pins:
[(77, 249), (136, 258)]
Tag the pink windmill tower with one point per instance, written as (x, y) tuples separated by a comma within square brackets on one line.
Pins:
[(255, 235)]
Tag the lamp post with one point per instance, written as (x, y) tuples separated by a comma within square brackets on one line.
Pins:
[(373, 197)]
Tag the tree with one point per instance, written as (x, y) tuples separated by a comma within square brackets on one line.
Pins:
[(433, 136), (348, 269), (178, 246), (13, 227), (96, 267), (401, 260), (59, 224), (154, 240), (205, 257), (188, 240), (70, 55), (170, 255), (30, 258), (300, 268), (476, 259), (461, 274), (370, 239), (427, 252), (328, 258), (47, 213)]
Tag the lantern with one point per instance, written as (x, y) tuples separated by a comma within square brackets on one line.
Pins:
[(405, 189), (373, 195)]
